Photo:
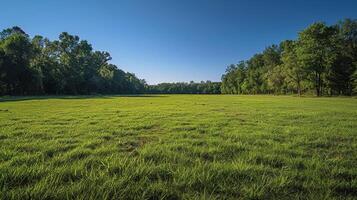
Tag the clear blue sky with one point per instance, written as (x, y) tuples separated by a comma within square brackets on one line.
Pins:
[(174, 40)]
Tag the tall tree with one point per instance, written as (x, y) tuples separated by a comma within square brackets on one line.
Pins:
[(255, 72), (295, 72), (15, 71), (341, 73), (316, 51)]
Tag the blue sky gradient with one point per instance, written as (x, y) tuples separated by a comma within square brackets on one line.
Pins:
[(174, 40)]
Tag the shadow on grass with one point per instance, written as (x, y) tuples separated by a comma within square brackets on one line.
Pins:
[(27, 98)]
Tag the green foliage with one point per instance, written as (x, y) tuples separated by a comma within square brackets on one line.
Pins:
[(207, 87), (321, 59), (14, 70), (65, 66), (294, 71), (233, 80), (316, 50), (178, 147)]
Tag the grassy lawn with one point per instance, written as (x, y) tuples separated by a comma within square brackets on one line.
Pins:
[(178, 147)]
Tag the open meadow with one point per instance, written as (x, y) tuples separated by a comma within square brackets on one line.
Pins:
[(178, 147)]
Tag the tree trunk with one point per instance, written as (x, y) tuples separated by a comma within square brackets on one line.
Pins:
[(317, 84), (320, 85)]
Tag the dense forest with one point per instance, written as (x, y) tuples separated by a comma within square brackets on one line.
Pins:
[(322, 61), (68, 65)]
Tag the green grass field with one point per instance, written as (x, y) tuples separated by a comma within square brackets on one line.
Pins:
[(178, 147)]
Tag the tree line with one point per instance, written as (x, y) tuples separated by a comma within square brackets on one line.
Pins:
[(203, 87), (37, 66), (322, 60), (31, 66)]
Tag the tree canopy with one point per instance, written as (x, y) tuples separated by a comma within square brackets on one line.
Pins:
[(323, 60), (64, 66)]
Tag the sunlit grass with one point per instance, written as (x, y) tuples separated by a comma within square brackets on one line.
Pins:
[(178, 146)]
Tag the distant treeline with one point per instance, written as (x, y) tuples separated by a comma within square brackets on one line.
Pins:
[(323, 60), (207, 87), (68, 65)]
